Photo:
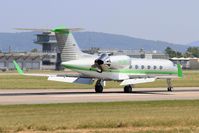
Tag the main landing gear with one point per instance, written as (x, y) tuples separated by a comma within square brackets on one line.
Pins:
[(99, 86), (169, 84), (127, 89)]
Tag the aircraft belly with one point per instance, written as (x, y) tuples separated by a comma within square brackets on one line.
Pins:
[(104, 75)]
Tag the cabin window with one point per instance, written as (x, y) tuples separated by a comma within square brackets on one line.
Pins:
[(149, 67), (142, 66), (154, 67), (161, 67), (130, 67), (136, 67)]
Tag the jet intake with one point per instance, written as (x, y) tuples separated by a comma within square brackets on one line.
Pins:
[(102, 63)]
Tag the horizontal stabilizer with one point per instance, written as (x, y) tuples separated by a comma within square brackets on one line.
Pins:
[(61, 29), (71, 79), (33, 29), (137, 81)]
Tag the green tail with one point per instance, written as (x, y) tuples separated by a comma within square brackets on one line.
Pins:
[(179, 71), (18, 68), (61, 30)]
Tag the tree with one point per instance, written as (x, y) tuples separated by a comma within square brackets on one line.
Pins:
[(193, 51), (168, 51), (34, 50), (178, 54), (172, 53)]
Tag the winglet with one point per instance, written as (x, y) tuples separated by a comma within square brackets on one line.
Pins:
[(18, 68), (179, 71)]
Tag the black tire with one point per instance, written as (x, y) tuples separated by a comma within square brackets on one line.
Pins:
[(169, 89), (98, 88), (127, 89)]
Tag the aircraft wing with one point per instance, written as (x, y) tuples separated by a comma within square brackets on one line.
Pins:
[(137, 81), (68, 78), (79, 80)]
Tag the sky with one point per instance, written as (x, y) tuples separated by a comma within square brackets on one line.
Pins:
[(175, 21)]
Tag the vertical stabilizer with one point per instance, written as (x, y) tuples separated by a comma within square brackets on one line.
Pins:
[(68, 47)]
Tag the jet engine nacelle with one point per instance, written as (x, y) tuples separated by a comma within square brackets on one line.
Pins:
[(120, 61), (105, 62), (102, 63)]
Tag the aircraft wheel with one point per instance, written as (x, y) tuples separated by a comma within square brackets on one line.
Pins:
[(127, 89), (169, 84), (169, 88), (98, 87)]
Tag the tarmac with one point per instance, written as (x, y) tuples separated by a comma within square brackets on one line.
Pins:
[(48, 96)]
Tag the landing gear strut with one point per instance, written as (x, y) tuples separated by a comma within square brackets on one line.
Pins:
[(127, 89), (99, 86), (169, 84)]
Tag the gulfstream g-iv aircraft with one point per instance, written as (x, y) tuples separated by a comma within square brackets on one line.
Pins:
[(102, 68)]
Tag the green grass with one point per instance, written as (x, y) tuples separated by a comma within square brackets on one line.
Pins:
[(154, 116), (11, 81)]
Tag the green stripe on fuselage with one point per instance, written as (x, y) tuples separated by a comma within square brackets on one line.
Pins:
[(130, 71)]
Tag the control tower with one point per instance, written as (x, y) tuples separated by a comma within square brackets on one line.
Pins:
[(49, 46)]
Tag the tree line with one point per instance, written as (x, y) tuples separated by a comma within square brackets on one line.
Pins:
[(190, 52)]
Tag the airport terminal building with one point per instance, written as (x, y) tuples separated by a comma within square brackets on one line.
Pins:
[(25, 60)]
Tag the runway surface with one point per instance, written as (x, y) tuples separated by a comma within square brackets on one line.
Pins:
[(44, 96)]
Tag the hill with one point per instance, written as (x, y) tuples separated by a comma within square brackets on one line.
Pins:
[(194, 44), (23, 41)]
